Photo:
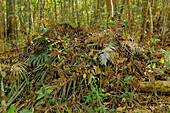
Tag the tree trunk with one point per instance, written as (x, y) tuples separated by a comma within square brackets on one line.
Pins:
[(61, 5), (41, 13), (69, 9), (101, 6), (35, 10), (121, 10), (31, 28), (2, 30), (64, 10), (94, 13), (73, 12), (9, 19), (109, 9), (129, 15), (98, 9), (164, 17), (77, 13), (55, 8), (150, 20), (86, 8), (144, 16)]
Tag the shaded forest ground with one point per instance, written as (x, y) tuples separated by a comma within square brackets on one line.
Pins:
[(91, 69)]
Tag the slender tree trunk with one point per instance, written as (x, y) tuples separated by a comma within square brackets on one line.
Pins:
[(35, 10), (14, 23), (22, 17), (155, 7), (2, 30), (69, 9), (9, 18), (112, 6), (61, 6), (86, 8), (64, 11), (101, 5), (31, 27), (3, 103), (165, 17), (133, 20), (121, 10), (129, 15), (116, 8), (98, 9), (144, 13), (108, 4), (42, 4), (77, 13), (94, 9), (109, 9), (73, 12), (3, 21), (150, 19), (55, 8)]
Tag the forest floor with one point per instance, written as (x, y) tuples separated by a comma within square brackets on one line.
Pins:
[(73, 69)]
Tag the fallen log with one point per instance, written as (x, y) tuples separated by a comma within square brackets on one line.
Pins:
[(160, 86)]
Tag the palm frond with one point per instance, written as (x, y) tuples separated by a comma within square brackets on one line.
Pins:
[(18, 69)]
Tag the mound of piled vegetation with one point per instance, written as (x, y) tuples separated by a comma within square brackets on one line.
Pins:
[(66, 69)]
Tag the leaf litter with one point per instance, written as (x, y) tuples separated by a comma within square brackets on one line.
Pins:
[(69, 62)]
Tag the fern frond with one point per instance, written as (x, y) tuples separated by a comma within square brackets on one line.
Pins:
[(105, 54), (104, 58)]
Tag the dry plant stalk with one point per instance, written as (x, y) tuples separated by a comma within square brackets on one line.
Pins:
[(3, 103)]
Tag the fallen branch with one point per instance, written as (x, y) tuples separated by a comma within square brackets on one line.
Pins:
[(161, 86)]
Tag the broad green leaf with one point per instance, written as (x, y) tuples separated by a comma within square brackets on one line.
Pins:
[(11, 110), (38, 92), (88, 98), (167, 54), (39, 97), (43, 90), (5, 66), (90, 110), (134, 6), (3, 73), (49, 91), (25, 111), (99, 108), (167, 64), (154, 60)]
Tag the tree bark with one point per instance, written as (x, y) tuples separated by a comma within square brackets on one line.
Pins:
[(144, 16), (2, 30), (31, 27), (86, 8), (55, 8), (64, 10), (69, 9), (150, 20), (164, 17), (94, 13), (9, 19), (121, 10), (73, 12), (77, 13), (61, 5), (129, 15)]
